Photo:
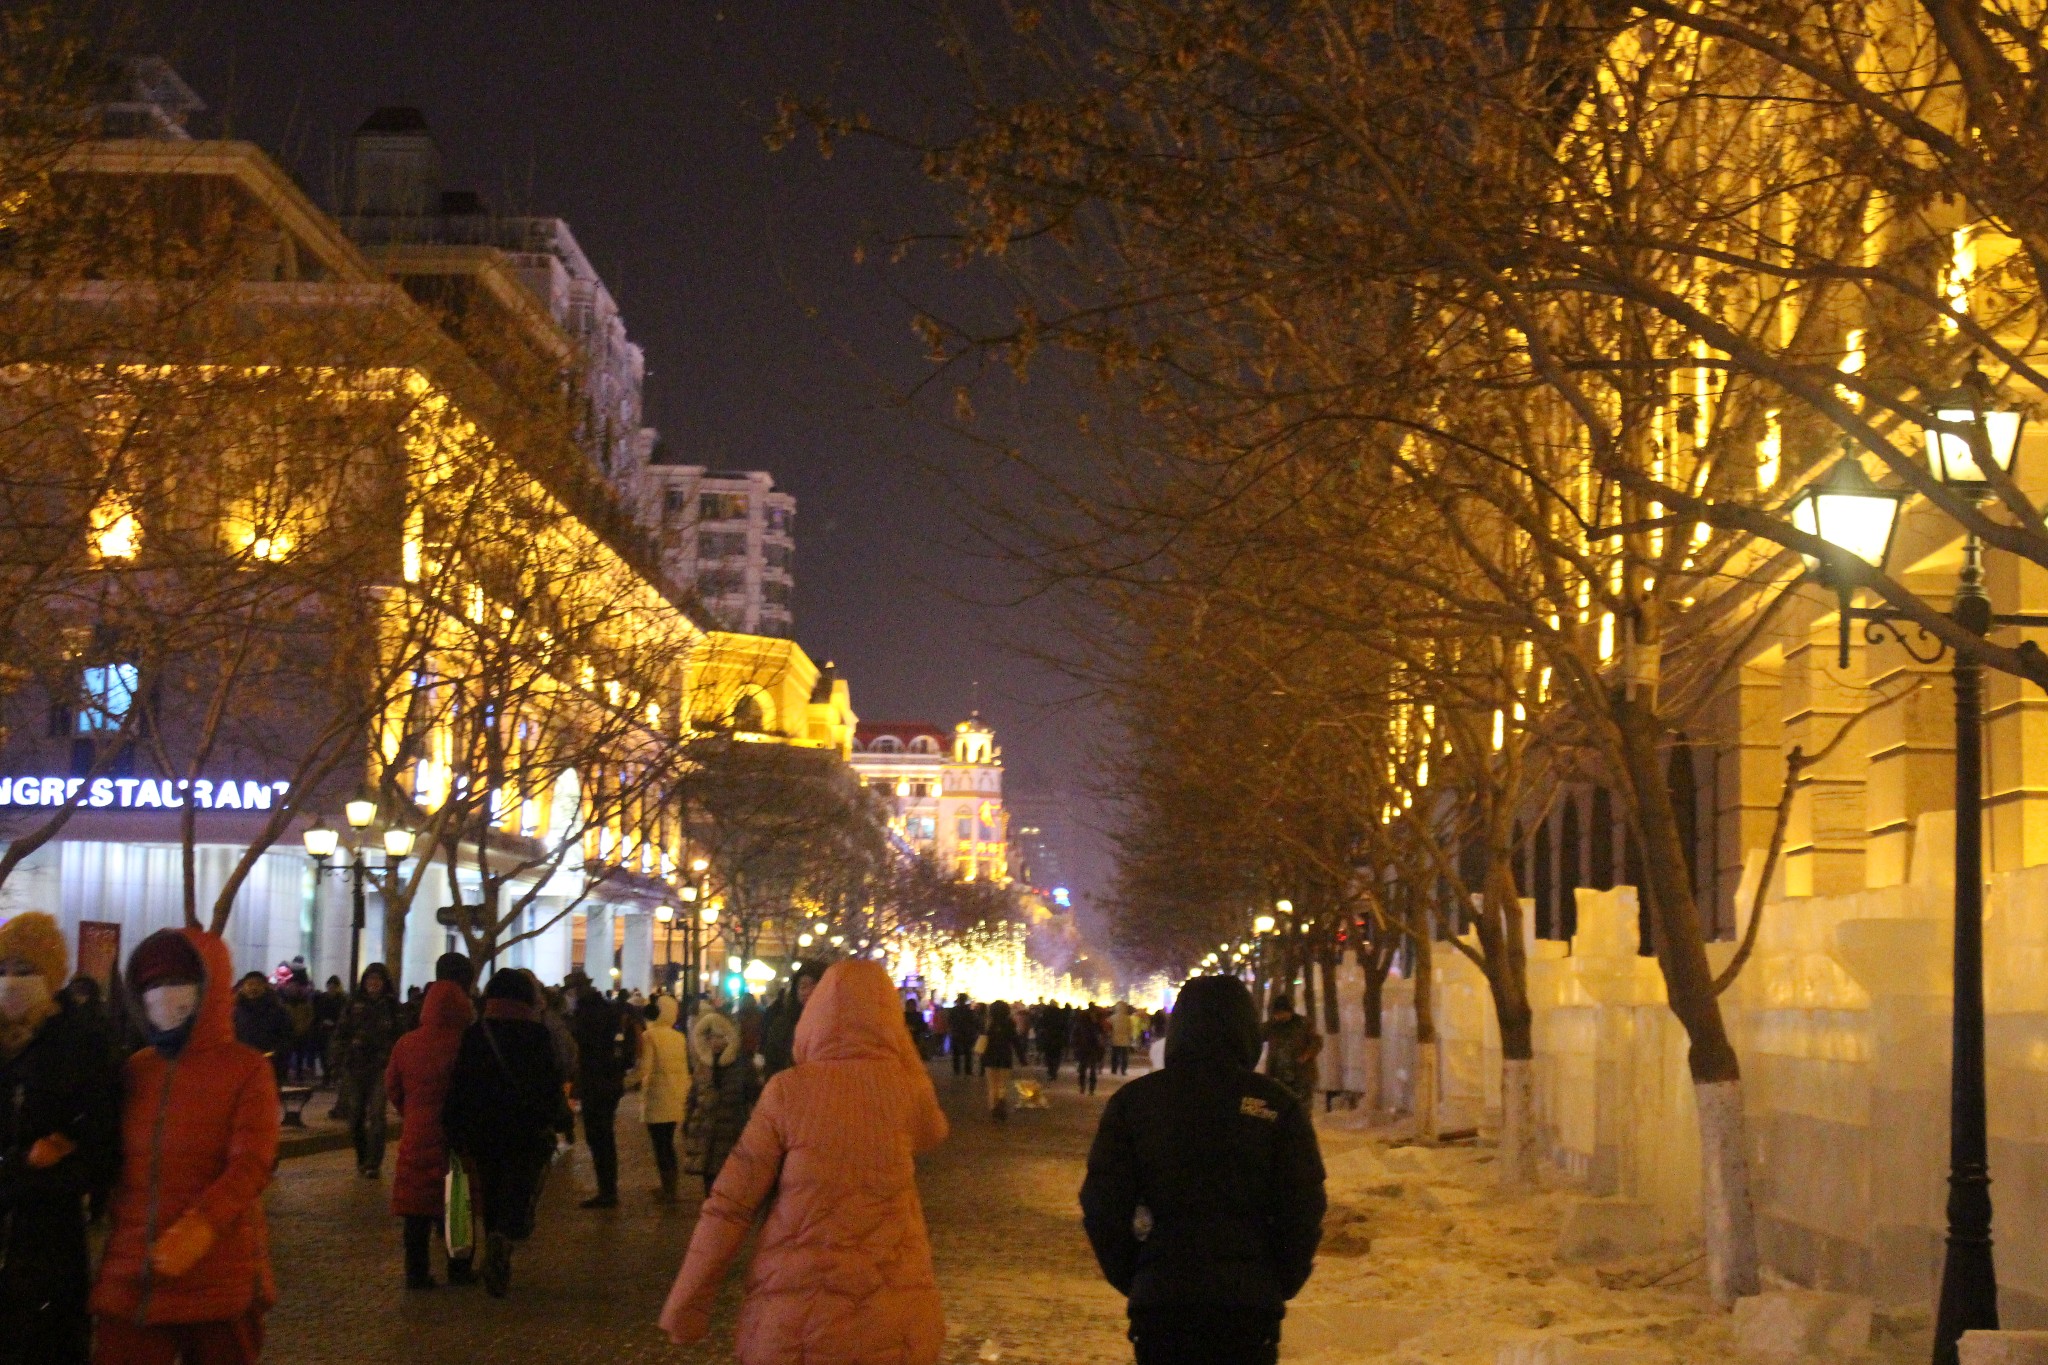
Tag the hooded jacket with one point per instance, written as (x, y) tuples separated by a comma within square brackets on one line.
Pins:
[(664, 1069), (416, 1079), (199, 1137), (1225, 1161), (843, 1269)]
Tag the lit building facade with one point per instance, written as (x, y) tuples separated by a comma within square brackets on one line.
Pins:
[(945, 792), (435, 333)]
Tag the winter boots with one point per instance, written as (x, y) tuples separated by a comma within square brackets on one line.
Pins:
[(667, 1195), (497, 1267), (419, 1232)]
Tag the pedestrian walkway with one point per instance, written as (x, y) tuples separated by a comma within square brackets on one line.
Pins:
[(1018, 1281)]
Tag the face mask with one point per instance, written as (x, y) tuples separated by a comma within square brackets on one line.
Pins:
[(21, 994), (168, 1007)]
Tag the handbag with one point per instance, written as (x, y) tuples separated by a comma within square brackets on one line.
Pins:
[(459, 1210)]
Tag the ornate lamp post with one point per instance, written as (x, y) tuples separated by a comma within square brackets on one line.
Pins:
[(1845, 509), (322, 843)]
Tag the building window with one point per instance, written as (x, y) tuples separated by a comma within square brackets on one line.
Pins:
[(722, 507), (109, 691), (721, 544), (779, 519), (886, 744), (964, 829), (924, 827), (675, 504)]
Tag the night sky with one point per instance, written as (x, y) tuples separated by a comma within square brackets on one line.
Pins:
[(769, 346)]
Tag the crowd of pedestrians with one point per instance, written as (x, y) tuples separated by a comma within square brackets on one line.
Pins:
[(1203, 1197)]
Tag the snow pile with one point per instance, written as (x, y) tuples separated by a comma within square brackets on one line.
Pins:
[(1425, 1261)]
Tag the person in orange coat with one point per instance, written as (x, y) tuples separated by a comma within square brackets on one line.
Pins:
[(186, 1273), (843, 1268)]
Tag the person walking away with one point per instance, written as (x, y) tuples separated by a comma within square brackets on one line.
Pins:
[(1000, 1050), (261, 1022), (664, 1078), (60, 1145), (417, 1078), (504, 1097), (186, 1270), (600, 1084), (1088, 1048), (778, 1041), (1123, 1036), (362, 1047), (720, 1093), (1292, 1049), (1054, 1026), (554, 1017), (328, 1007), (842, 1269), (1204, 1195), (962, 1028)]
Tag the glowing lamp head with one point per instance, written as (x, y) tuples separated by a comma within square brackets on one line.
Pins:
[(1973, 430), (1284, 907), (1263, 924), (1845, 509), (700, 865), (360, 812), (664, 914), (398, 843), (321, 842), (688, 893), (804, 940), (709, 914)]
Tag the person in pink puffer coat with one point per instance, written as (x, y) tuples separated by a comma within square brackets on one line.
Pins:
[(843, 1269)]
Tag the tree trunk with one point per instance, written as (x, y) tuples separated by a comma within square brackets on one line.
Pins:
[(1375, 1028), (1728, 1215), (1507, 979), (394, 908), (1425, 1097)]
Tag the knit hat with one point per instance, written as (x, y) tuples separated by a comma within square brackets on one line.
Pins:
[(34, 937), (511, 984), (166, 955)]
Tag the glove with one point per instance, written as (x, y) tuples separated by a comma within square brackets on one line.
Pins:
[(48, 1151), (181, 1246)]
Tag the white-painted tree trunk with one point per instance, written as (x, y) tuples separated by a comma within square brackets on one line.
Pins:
[(1426, 1125), (1726, 1211), (1517, 1124), (1370, 1065)]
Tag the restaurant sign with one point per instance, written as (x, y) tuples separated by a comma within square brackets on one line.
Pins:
[(142, 793)]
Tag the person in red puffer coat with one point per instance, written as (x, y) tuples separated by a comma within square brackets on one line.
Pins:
[(186, 1274), (417, 1081)]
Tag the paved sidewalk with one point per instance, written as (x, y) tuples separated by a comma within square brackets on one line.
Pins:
[(1013, 1266)]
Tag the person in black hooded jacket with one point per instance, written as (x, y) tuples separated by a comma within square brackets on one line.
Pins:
[(1204, 1197), (503, 1098)]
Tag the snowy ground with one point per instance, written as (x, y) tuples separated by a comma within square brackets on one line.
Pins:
[(1425, 1260)]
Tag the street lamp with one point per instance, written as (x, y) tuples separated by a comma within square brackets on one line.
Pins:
[(1263, 924), (1969, 1280), (322, 843)]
